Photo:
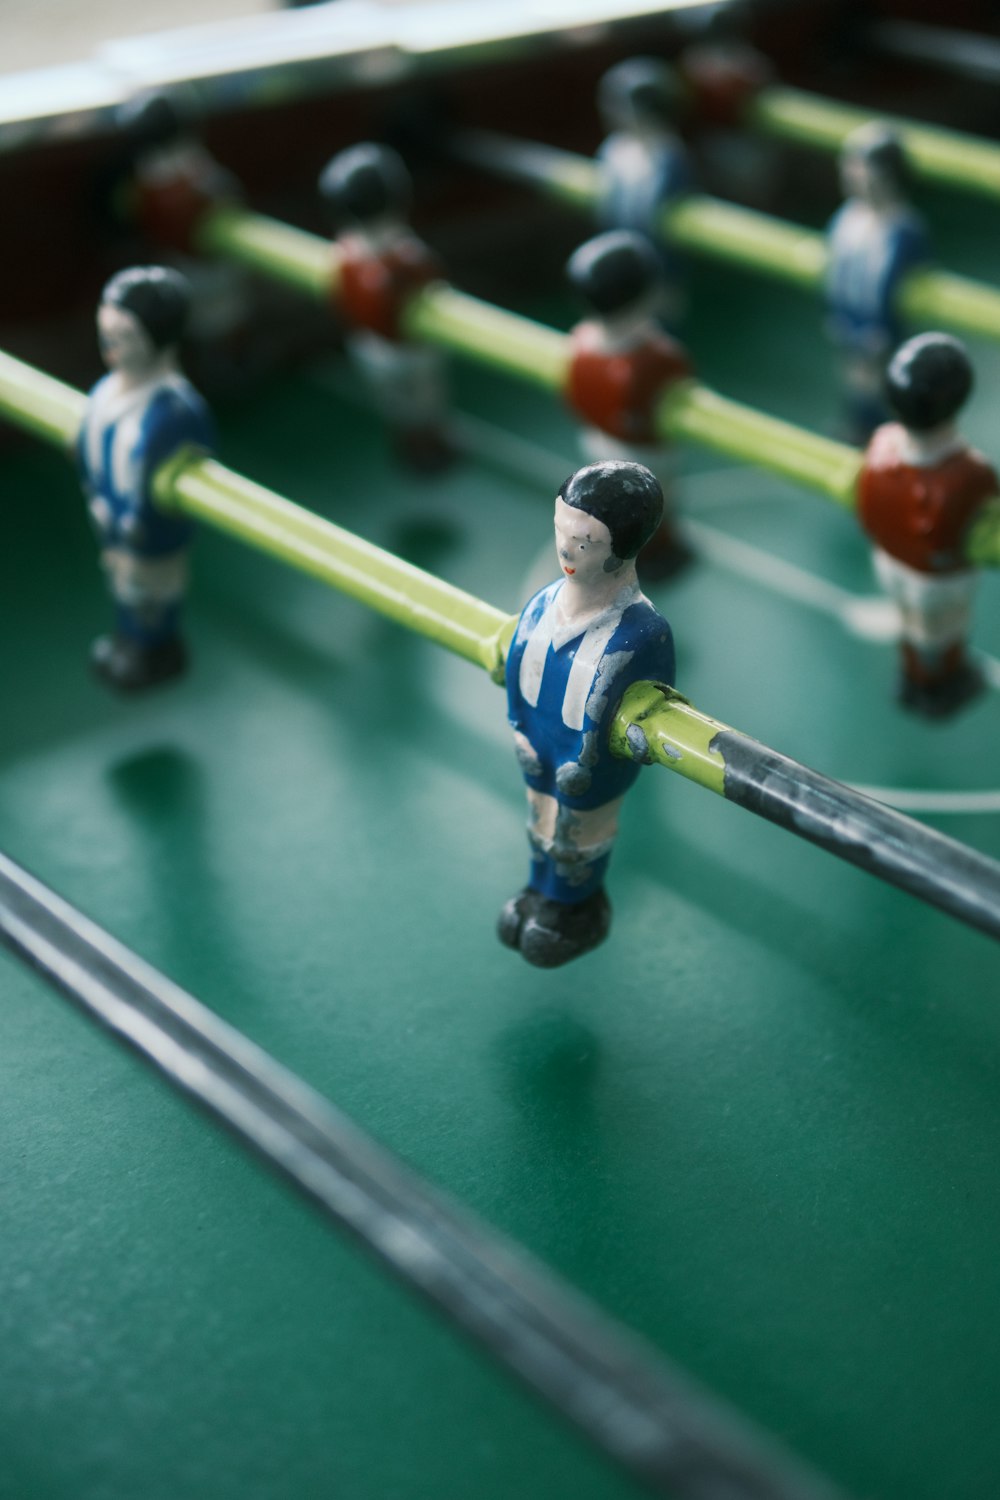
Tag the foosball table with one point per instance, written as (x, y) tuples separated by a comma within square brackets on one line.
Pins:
[(757, 1127)]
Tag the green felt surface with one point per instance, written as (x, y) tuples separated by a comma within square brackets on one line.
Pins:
[(761, 1125)]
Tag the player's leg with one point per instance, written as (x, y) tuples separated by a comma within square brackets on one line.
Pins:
[(937, 676), (862, 381), (146, 645), (564, 910), (409, 388)]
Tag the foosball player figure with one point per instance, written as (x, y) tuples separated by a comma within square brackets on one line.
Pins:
[(382, 264), (579, 645), (138, 416), (722, 79), (174, 184), (643, 162), (621, 363), (873, 241), (175, 181), (920, 489)]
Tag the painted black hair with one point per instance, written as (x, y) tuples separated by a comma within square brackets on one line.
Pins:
[(150, 119), (640, 88), (157, 297), (928, 380), (881, 148), (625, 496), (613, 270), (365, 182)]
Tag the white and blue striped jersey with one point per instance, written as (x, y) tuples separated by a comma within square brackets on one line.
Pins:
[(125, 437)]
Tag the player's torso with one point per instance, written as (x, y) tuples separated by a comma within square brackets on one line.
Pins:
[(920, 514), (616, 390), (565, 684), (376, 280), (125, 435), (639, 174), (867, 251)]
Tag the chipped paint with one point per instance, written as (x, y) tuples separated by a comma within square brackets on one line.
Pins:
[(612, 663), (864, 832), (590, 749), (673, 734), (572, 857), (495, 648), (839, 819)]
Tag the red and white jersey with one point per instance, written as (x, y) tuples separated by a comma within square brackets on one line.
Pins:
[(375, 285), (616, 390), (176, 187), (920, 513)]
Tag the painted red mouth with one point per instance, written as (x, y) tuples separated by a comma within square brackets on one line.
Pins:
[(570, 571)]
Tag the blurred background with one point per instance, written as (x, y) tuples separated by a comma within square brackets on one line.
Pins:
[(61, 31)]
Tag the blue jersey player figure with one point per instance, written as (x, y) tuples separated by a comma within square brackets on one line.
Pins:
[(138, 416), (643, 162), (873, 240), (579, 645)]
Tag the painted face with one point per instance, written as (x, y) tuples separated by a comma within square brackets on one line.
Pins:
[(125, 344), (861, 179), (583, 544)]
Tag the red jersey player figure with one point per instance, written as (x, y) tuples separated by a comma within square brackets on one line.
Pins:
[(920, 489), (382, 264), (620, 365), (174, 185), (176, 182)]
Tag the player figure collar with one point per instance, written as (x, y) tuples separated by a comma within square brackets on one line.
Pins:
[(377, 238), (565, 630), (620, 333), (120, 398), (924, 450)]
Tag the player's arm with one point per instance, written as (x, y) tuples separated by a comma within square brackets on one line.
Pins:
[(174, 421), (527, 756), (641, 650), (97, 506)]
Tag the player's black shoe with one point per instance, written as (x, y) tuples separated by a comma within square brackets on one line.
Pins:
[(939, 700), (425, 451), (554, 932), (129, 666), (514, 914)]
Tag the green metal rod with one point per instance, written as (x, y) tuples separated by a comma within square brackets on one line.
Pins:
[(690, 412), (939, 155), (760, 242), (693, 412), (653, 725), (301, 260), (741, 236), (982, 546), (206, 491), (574, 179), (757, 242), (938, 298), (40, 404), (517, 346), (529, 350), (439, 314)]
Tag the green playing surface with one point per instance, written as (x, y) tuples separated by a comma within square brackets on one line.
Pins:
[(760, 1125)]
